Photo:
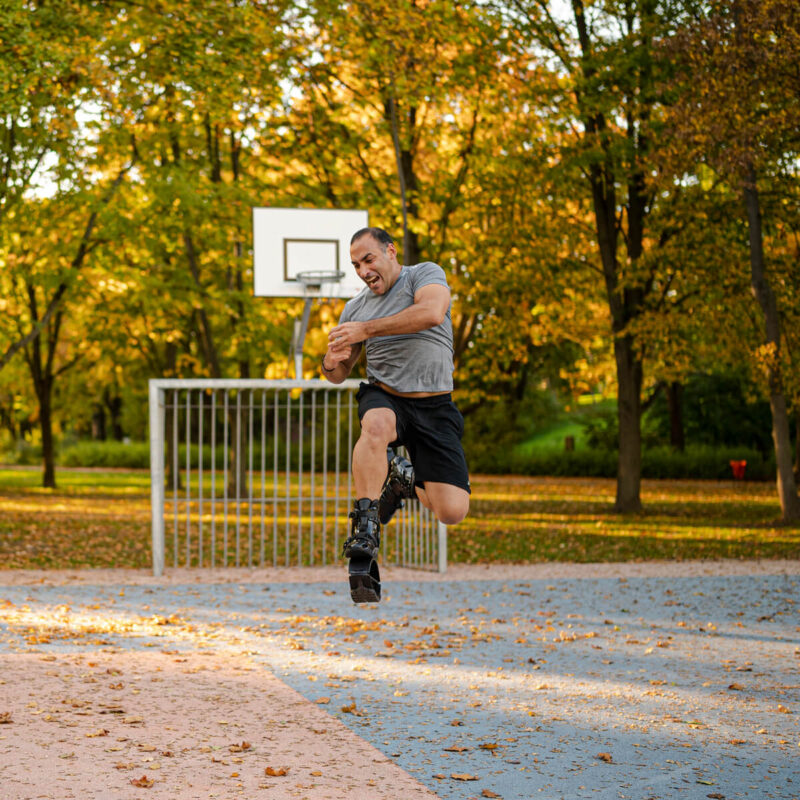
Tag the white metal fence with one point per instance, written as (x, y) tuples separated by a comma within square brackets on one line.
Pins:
[(258, 473)]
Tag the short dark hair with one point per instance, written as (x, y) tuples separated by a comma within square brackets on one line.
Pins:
[(379, 234)]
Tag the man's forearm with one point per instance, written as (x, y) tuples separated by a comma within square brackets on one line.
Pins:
[(413, 319), (337, 374)]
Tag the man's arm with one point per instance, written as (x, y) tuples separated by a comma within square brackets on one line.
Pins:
[(339, 361), (428, 310)]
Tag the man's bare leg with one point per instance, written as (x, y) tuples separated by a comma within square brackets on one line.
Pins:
[(450, 504), (378, 431)]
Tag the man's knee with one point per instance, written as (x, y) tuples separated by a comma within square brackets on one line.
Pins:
[(379, 424), (450, 504), (453, 512)]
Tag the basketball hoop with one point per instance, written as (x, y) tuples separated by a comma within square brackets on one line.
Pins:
[(312, 280)]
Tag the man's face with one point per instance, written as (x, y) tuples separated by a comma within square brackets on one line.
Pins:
[(376, 266)]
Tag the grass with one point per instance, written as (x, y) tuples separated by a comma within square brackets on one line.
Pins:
[(102, 519), (554, 437)]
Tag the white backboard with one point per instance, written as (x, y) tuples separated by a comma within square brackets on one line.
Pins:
[(291, 240)]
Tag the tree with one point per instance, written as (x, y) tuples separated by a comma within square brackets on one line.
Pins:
[(609, 106), (47, 75), (738, 109)]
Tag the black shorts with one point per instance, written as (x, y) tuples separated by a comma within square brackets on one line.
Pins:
[(430, 428)]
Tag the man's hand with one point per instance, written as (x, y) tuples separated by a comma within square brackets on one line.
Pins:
[(339, 359), (346, 335)]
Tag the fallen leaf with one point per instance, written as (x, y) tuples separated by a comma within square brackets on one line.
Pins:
[(463, 776), (489, 746), (456, 749), (101, 732), (605, 757), (489, 793), (5, 718), (142, 783), (736, 687), (322, 701), (276, 772), (240, 748)]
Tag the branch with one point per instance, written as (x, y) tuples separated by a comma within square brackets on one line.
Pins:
[(77, 262)]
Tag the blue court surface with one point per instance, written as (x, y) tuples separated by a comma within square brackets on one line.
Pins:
[(566, 688)]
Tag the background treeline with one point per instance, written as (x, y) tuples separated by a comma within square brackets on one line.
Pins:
[(611, 187)]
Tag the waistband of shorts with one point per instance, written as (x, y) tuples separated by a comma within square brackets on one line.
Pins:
[(433, 400)]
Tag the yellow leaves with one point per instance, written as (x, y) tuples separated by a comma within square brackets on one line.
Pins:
[(5, 718), (276, 772), (240, 748), (93, 734), (142, 783), (352, 709), (463, 776), (605, 757)]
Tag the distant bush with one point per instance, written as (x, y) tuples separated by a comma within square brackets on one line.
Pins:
[(23, 454), (131, 455), (697, 462), (704, 461), (136, 455)]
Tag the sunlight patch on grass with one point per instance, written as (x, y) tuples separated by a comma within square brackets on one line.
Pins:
[(100, 519)]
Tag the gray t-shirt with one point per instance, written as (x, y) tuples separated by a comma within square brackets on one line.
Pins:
[(409, 362)]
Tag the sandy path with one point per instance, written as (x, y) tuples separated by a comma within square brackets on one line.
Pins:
[(188, 726)]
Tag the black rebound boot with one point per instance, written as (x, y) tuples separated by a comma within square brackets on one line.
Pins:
[(362, 548), (398, 486)]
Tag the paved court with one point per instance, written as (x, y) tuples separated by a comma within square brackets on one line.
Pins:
[(590, 683)]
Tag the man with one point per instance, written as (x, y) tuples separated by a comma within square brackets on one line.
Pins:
[(402, 318)]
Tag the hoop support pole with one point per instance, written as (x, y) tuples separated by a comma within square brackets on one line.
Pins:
[(301, 337)]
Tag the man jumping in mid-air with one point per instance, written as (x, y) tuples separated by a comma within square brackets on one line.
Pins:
[(403, 316)]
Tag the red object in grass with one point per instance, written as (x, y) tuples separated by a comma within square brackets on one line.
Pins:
[(738, 468)]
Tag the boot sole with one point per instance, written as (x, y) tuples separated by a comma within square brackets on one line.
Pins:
[(365, 579)]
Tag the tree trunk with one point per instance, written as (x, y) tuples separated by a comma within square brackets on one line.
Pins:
[(762, 291), (98, 423), (407, 178), (797, 445), (41, 369), (629, 412), (48, 447), (677, 437)]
